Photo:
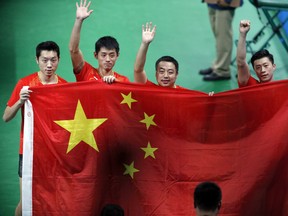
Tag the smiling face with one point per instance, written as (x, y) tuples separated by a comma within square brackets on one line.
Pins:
[(264, 69), (166, 74), (48, 62)]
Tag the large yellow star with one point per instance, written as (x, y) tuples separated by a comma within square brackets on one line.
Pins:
[(148, 120), (127, 99), (149, 151), (81, 128), (130, 169)]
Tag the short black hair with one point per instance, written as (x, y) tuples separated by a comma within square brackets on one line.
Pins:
[(107, 42), (112, 210), (49, 46), (167, 59), (207, 196), (262, 54)]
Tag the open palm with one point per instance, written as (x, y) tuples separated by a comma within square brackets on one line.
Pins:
[(83, 10), (148, 32)]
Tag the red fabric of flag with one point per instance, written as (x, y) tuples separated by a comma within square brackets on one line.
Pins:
[(146, 148)]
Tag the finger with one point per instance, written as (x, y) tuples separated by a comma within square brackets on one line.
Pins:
[(154, 29), (150, 25), (88, 5)]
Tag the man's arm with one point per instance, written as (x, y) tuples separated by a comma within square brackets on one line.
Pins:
[(148, 34), (10, 112), (82, 13), (242, 66)]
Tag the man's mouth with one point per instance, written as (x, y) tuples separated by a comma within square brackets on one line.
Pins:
[(165, 81)]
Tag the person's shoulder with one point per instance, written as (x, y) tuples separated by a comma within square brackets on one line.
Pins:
[(61, 80), (148, 82), (180, 87), (251, 81), (121, 77), (29, 77)]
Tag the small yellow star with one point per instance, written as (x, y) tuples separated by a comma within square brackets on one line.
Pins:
[(81, 128), (148, 120), (130, 169), (149, 151), (127, 99)]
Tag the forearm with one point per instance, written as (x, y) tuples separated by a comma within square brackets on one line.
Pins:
[(75, 36), (10, 112), (75, 52), (241, 50), (141, 57), (242, 66), (139, 73)]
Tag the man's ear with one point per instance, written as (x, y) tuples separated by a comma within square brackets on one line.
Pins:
[(37, 61), (96, 55)]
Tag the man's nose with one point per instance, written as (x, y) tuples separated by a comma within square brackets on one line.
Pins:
[(49, 64), (107, 58)]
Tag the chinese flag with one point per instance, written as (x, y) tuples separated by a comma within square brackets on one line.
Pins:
[(145, 148)]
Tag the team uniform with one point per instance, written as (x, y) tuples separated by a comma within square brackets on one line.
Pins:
[(88, 72), (251, 81), (30, 80)]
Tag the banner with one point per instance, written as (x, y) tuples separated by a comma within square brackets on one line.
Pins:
[(145, 148)]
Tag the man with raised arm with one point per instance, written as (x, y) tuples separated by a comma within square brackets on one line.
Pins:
[(166, 66), (106, 52), (262, 61)]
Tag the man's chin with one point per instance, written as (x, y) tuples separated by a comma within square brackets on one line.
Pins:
[(266, 79)]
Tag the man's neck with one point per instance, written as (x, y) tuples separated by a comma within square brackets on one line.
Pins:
[(102, 72), (47, 79)]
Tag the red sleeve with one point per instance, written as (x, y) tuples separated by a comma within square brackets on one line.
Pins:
[(251, 81), (87, 73), (121, 78), (15, 94)]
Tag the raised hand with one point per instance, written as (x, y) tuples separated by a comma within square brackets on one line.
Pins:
[(83, 11), (244, 26), (148, 32)]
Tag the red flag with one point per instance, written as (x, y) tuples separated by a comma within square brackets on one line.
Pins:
[(146, 148)]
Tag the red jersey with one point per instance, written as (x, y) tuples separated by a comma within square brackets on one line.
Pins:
[(90, 73), (251, 81), (30, 80)]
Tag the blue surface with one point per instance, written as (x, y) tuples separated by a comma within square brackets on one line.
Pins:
[(282, 16)]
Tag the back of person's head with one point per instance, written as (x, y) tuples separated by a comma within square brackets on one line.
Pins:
[(167, 59), (112, 210), (107, 42), (207, 196), (47, 46), (262, 54)]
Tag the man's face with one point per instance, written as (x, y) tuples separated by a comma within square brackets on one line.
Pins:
[(166, 74), (48, 62), (206, 213), (264, 69), (106, 58)]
